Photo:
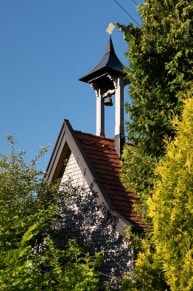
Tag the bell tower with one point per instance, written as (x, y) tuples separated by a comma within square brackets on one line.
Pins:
[(107, 79)]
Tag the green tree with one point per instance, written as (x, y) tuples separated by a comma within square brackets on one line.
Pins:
[(148, 274), (160, 73), (165, 258), (30, 259), (171, 206), (160, 54)]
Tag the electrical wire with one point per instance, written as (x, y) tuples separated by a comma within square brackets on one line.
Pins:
[(135, 2), (126, 11)]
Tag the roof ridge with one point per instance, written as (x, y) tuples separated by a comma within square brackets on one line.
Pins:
[(94, 135)]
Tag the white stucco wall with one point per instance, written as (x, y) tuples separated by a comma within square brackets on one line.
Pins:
[(94, 226)]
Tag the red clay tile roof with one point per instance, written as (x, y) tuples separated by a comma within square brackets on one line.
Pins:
[(104, 159)]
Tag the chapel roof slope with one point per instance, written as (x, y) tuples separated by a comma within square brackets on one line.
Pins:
[(105, 161), (100, 165)]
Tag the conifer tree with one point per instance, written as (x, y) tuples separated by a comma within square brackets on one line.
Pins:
[(160, 54), (165, 257), (171, 206), (160, 74)]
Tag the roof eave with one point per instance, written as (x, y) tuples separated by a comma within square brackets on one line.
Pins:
[(100, 73)]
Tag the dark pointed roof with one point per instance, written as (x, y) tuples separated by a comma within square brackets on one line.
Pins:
[(108, 64)]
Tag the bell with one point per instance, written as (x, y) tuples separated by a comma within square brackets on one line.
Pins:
[(108, 101)]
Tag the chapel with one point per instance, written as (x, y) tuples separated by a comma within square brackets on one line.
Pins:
[(103, 209)]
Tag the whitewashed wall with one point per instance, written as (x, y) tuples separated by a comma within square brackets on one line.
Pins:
[(93, 226)]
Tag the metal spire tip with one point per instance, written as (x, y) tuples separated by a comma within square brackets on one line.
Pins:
[(110, 28)]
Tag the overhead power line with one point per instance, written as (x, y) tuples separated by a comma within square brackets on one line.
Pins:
[(126, 11), (135, 2)]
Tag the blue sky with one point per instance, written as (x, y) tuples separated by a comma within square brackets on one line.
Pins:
[(45, 47)]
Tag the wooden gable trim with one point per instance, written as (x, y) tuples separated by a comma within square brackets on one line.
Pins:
[(60, 153)]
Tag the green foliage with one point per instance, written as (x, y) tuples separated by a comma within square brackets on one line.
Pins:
[(29, 257), (160, 71), (171, 206), (147, 274), (137, 173), (165, 255)]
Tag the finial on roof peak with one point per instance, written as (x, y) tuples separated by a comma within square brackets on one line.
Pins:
[(110, 28)]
